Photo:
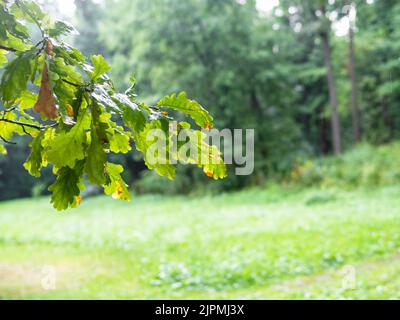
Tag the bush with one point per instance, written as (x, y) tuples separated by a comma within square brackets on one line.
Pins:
[(365, 166)]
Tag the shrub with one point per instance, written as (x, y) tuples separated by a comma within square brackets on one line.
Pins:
[(364, 166)]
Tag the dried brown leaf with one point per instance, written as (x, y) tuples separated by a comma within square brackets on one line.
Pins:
[(46, 103)]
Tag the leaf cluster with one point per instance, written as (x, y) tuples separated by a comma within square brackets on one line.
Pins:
[(83, 118)]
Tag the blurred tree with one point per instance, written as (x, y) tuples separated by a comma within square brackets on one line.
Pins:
[(314, 18), (88, 17), (351, 10), (13, 184), (380, 81), (224, 53)]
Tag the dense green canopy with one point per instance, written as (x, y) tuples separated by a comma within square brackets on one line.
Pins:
[(306, 82)]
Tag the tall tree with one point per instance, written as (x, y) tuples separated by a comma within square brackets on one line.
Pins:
[(312, 19), (379, 69), (325, 30), (351, 12)]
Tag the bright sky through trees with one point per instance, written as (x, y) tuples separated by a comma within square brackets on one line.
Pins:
[(68, 6)]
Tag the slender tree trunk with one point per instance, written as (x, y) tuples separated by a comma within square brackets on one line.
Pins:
[(355, 114), (337, 144), (323, 137)]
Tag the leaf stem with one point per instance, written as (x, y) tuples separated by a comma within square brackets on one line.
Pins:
[(71, 83), (28, 125), (6, 141), (8, 48)]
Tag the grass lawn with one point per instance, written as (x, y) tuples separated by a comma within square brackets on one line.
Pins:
[(262, 244)]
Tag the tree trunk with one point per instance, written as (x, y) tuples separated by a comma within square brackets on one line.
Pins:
[(355, 115), (323, 137), (337, 144)]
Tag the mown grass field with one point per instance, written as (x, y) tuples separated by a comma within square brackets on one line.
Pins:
[(261, 244)]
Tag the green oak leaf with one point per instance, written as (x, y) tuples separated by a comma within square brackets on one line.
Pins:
[(119, 142), (135, 120), (67, 187), (143, 143), (117, 188), (68, 147), (71, 56), (96, 160), (8, 129), (27, 100), (97, 157), (100, 67), (30, 11), (189, 107), (34, 163), (207, 157), (8, 22), (62, 28), (16, 76)]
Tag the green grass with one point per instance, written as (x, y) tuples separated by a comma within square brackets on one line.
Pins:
[(263, 244)]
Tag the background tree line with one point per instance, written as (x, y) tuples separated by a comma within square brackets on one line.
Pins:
[(313, 78)]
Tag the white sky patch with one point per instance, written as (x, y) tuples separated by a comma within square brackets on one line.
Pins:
[(341, 27), (266, 5), (67, 7)]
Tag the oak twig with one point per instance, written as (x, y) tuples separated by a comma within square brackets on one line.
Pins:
[(23, 124), (6, 141), (8, 48)]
